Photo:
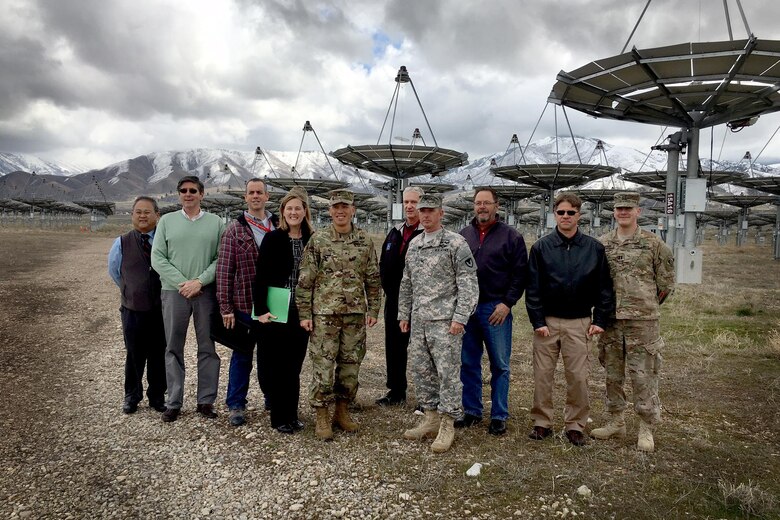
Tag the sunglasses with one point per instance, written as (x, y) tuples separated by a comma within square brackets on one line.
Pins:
[(570, 212), (191, 191)]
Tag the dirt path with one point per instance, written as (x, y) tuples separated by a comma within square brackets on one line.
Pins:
[(69, 452)]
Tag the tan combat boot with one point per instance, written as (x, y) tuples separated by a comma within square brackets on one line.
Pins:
[(342, 419), (645, 439), (322, 429), (446, 435), (428, 427), (616, 427)]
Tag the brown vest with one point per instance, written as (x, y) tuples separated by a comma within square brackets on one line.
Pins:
[(140, 284)]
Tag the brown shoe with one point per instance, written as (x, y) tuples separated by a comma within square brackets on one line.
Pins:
[(540, 433), (207, 411), (576, 437), (170, 415)]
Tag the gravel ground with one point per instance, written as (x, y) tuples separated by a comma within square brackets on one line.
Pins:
[(70, 453)]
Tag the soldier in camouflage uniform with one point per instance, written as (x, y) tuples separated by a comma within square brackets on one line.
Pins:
[(439, 291), (642, 268), (338, 295)]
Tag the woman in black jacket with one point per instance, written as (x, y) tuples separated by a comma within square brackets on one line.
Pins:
[(284, 344)]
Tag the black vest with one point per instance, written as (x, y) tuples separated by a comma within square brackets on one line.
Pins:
[(140, 284)]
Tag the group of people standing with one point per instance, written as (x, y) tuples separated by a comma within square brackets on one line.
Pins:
[(449, 298)]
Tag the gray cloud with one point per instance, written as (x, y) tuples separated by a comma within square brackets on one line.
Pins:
[(123, 76)]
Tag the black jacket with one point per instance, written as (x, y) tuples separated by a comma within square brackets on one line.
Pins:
[(274, 265), (502, 262), (393, 258), (568, 278)]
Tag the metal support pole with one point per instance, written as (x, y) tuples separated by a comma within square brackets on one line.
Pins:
[(672, 196), (689, 240), (688, 258), (741, 233), (776, 236)]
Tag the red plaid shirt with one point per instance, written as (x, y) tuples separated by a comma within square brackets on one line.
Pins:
[(236, 268)]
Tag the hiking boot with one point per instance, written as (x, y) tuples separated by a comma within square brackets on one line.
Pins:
[(322, 429), (446, 435), (237, 417), (645, 439), (342, 419), (616, 427), (428, 427)]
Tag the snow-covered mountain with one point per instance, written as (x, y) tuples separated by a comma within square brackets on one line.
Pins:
[(157, 172), (11, 162)]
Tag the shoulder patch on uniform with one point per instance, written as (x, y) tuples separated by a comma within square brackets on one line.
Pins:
[(469, 262)]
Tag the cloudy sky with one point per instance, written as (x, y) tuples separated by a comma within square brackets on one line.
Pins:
[(92, 82)]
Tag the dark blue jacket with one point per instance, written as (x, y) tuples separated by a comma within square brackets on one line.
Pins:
[(502, 262), (568, 278)]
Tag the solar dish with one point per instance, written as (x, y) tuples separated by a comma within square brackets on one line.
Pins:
[(765, 184), (401, 161), (745, 201), (657, 179), (312, 186), (688, 85), (554, 176)]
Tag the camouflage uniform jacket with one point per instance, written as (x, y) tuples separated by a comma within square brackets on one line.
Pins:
[(642, 267), (339, 274), (440, 279)]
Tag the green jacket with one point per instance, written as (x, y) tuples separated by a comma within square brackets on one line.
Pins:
[(642, 268), (339, 274)]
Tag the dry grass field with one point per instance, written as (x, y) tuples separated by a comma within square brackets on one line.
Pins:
[(69, 452)]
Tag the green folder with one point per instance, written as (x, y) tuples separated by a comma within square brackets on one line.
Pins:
[(278, 302)]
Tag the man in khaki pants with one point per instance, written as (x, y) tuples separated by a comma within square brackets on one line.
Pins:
[(569, 299)]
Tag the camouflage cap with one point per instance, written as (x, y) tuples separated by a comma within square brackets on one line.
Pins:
[(429, 200), (627, 199), (341, 197)]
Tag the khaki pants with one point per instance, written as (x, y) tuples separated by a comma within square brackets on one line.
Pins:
[(569, 338)]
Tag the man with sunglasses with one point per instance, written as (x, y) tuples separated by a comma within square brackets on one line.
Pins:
[(569, 299), (502, 272), (184, 254), (642, 267)]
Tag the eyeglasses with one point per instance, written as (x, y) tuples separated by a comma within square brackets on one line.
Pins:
[(191, 191), (481, 203), (570, 212), (144, 213)]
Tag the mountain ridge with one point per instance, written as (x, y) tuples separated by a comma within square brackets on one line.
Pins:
[(156, 173)]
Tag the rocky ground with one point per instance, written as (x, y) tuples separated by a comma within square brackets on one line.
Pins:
[(69, 452)]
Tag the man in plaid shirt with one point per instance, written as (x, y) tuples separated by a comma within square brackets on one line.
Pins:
[(235, 275)]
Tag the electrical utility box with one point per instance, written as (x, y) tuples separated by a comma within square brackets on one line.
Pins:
[(695, 195), (397, 211), (687, 265)]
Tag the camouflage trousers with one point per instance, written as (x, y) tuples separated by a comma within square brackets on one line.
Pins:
[(337, 346), (434, 359), (635, 344)]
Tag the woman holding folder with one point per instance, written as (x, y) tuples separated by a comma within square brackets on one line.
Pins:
[(281, 337)]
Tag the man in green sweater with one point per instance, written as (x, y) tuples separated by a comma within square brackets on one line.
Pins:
[(184, 254)]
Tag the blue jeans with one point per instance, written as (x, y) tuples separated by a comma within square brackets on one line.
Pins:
[(497, 339), (239, 375)]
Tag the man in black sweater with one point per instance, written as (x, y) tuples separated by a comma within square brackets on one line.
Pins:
[(569, 299), (391, 269)]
